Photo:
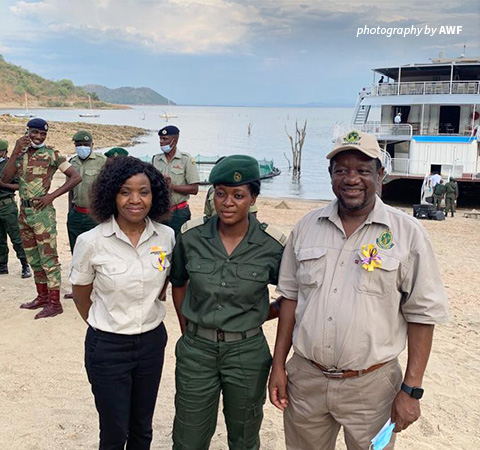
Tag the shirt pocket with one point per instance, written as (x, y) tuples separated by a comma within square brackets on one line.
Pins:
[(111, 275), (89, 175), (177, 174), (381, 280), (311, 267), (252, 272), (40, 166), (200, 271)]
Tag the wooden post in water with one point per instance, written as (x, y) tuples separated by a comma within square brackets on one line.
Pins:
[(296, 146)]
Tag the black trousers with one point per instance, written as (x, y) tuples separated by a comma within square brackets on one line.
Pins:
[(125, 372)]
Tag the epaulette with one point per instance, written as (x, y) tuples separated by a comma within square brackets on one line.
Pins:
[(275, 233), (192, 224)]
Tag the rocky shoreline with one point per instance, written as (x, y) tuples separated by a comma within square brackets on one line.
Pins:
[(60, 133)]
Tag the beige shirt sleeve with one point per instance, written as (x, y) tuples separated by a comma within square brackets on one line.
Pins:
[(287, 283), (81, 270), (424, 300), (191, 173)]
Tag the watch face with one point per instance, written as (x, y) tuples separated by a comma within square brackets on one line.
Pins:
[(417, 393)]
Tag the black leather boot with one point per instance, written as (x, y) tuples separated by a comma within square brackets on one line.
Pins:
[(3, 269), (26, 273)]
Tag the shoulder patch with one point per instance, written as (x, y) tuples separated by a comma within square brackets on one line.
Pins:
[(192, 224), (275, 233)]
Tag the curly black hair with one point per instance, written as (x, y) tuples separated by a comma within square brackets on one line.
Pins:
[(112, 177)]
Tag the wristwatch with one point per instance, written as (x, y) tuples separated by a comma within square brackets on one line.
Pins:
[(414, 392)]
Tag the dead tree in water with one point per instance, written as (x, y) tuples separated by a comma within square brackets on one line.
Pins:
[(296, 146)]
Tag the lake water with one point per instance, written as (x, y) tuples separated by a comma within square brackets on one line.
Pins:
[(212, 131)]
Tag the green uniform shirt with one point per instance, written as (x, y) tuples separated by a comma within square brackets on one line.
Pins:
[(439, 189), (226, 292), (88, 169), (209, 207), (181, 169), (452, 189), (35, 169), (6, 192)]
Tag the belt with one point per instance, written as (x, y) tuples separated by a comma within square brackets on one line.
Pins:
[(81, 210), (27, 203), (215, 335), (6, 201), (182, 205), (336, 373)]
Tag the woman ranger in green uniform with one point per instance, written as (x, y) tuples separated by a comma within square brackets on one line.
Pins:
[(220, 273)]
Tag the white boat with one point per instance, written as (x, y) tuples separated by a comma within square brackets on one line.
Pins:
[(168, 114), (90, 114), (439, 104), (27, 114)]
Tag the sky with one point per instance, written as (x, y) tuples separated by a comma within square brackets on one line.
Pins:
[(232, 52)]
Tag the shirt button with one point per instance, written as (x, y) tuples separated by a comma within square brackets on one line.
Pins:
[(198, 267), (335, 291), (223, 283), (227, 260), (328, 346), (219, 307), (254, 274), (330, 319), (342, 263)]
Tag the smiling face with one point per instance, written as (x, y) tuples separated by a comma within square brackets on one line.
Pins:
[(134, 200), (355, 179), (37, 136), (232, 203)]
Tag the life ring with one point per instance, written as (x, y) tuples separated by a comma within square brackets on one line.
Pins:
[(475, 115)]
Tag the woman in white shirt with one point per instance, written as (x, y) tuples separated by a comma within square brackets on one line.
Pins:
[(119, 270)]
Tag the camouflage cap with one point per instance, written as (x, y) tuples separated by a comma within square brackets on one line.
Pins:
[(235, 170), (82, 136), (116, 151), (3, 145)]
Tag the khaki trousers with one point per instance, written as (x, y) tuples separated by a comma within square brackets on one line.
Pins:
[(319, 406)]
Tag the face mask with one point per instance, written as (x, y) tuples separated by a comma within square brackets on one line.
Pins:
[(383, 437), (166, 148), (37, 145), (83, 151)]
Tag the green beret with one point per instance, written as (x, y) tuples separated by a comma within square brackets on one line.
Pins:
[(3, 145), (82, 136), (116, 151), (235, 170)]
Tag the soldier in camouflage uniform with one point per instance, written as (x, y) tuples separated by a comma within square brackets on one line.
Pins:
[(9, 220), (35, 165)]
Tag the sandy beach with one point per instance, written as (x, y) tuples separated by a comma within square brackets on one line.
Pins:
[(45, 398)]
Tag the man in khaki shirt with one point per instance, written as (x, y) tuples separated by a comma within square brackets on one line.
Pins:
[(359, 279), (179, 170), (88, 164)]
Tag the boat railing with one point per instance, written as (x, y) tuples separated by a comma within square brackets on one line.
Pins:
[(401, 130), (465, 170), (426, 88)]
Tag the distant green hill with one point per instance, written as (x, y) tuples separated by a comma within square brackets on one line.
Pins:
[(128, 95), (15, 82)]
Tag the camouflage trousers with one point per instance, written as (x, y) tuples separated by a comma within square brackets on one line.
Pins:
[(38, 229)]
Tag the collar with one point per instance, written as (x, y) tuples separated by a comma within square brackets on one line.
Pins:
[(378, 214), (209, 230), (111, 227), (177, 155)]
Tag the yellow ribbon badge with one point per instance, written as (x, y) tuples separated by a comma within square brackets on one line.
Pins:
[(372, 259)]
